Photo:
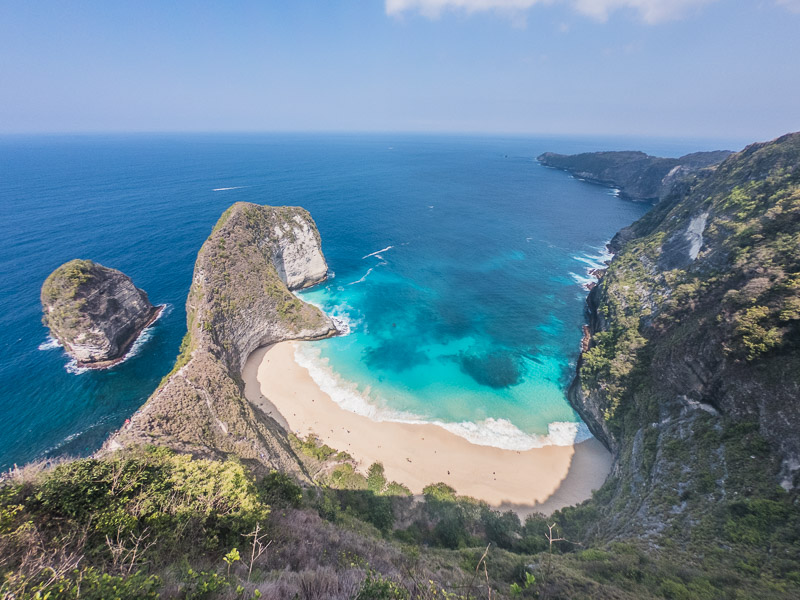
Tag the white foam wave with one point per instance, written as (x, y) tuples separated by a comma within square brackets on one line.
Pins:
[(73, 368), (343, 393), (146, 334), (498, 433), (363, 278), (377, 252), (597, 260), (49, 344), (583, 280), (225, 189), (339, 314), (501, 433)]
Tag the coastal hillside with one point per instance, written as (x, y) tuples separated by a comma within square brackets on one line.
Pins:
[(692, 371), (689, 374), (240, 300), (638, 176)]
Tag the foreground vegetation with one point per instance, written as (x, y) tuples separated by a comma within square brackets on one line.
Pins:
[(150, 523)]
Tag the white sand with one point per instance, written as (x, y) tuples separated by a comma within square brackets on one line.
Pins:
[(539, 480)]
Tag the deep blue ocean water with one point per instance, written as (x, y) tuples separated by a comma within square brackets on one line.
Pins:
[(471, 318)]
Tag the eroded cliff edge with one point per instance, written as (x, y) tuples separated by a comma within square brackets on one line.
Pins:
[(692, 372), (95, 312), (240, 299)]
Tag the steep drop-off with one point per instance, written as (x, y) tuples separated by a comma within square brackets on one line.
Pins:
[(240, 300), (95, 312), (692, 371), (637, 175)]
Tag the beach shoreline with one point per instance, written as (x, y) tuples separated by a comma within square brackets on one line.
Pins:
[(537, 480)]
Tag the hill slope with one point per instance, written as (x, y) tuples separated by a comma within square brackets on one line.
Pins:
[(692, 374)]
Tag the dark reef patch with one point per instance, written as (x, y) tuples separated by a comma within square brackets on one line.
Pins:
[(394, 355), (497, 369)]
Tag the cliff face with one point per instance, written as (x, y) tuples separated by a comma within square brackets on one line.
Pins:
[(95, 312), (692, 375), (240, 300), (637, 175)]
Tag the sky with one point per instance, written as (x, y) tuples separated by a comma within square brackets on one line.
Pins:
[(674, 68)]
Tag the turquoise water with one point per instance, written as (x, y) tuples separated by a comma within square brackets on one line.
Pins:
[(472, 316)]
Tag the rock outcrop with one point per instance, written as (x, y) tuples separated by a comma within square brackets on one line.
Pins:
[(692, 372), (240, 300), (95, 312), (638, 176)]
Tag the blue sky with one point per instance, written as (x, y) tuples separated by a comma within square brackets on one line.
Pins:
[(679, 68)]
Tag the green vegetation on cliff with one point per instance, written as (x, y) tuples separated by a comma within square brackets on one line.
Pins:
[(692, 377), (239, 301)]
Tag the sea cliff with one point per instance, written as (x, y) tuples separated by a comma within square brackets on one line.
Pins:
[(692, 371), (95, 312), (638, 176), (240, 299)]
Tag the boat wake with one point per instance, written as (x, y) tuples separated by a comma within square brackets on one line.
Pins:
[(363, 278), (377, 252)]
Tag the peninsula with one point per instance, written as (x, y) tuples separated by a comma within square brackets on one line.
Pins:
[(240, 300), (637, 175)]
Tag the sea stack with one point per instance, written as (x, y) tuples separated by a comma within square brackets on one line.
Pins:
[(95, 312)]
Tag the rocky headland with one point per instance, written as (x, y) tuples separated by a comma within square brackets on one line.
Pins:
[(637, 175), (690, 370), (95, 312), (240, 299)]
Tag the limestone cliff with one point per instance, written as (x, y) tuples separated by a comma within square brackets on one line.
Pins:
[(95, 312), (637, 175), (692, 374), (240, 300)]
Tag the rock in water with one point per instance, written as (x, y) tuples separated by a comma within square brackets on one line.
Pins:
[(95, 312)]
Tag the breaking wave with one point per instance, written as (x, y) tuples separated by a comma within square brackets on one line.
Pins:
[(49, 344), (497, 433)]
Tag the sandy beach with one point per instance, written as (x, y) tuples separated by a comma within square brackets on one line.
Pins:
[(538, 480)]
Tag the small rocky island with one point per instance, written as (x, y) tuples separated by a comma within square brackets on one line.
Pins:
[(638, 176), (95, 312)]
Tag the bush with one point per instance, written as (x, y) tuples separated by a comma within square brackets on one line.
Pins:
[(279, 489)]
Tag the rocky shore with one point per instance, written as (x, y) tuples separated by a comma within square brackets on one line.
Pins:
[(95, 312)]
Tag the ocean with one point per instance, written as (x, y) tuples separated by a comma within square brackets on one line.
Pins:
[(458, 265)]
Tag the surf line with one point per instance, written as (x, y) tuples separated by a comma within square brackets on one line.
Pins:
[(238, 187), (377, 252)]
